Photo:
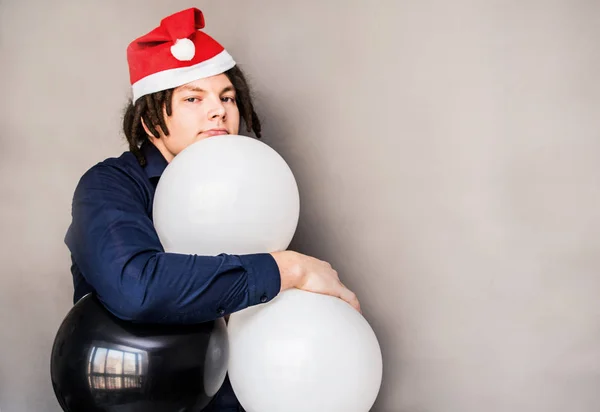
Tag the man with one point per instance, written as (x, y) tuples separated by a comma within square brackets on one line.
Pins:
[(186, 88)]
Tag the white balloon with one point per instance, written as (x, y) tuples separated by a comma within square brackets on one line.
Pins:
[(226, 194), (303, 352)]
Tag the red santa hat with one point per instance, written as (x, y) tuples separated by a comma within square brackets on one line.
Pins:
[(175, 53)]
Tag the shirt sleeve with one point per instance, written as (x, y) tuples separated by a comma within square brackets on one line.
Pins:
[(113, 241)]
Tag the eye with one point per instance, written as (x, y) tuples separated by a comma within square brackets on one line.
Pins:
[(192, 99), (228, 99)]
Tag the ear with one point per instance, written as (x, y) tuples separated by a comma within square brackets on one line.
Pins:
[(150, 135)]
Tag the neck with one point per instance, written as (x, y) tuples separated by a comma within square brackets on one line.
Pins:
[(162, 149)]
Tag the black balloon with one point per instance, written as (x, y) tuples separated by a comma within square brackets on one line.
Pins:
[(102, 363)]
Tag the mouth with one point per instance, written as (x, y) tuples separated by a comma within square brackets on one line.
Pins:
[(214, 132)]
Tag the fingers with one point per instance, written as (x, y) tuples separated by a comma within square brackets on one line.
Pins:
[(350, 297), (345, 293), (324, 279)]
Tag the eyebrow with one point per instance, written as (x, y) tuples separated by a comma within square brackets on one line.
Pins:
[(199, 90)]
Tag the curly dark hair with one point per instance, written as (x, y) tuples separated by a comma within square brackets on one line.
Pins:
[(150, 109)]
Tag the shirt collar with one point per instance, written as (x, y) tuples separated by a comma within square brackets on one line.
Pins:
[(155, 161)]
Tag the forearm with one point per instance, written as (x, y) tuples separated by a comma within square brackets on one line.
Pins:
[(176, 288)]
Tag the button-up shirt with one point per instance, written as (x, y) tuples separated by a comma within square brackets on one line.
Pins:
[(116, 253)]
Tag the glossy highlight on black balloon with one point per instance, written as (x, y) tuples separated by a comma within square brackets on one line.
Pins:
[(102, 363)]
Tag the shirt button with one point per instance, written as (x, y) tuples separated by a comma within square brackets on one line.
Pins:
[(221, 311), (263, 298)]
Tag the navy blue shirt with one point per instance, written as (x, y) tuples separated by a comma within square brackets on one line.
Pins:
[(116, 253)]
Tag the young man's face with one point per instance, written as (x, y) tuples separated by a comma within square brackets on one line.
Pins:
[(200, 109)]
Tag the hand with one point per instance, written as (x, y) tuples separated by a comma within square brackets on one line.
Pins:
[(312, 275)]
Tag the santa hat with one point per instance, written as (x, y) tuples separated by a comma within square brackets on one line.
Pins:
[(175, 53)]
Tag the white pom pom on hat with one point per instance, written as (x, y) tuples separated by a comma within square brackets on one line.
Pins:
[(183, 49)]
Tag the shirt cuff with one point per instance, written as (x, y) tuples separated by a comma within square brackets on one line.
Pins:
[(264, 279)]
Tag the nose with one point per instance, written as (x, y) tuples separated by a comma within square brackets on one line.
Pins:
[(217, 109)]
